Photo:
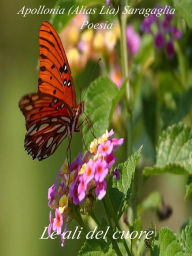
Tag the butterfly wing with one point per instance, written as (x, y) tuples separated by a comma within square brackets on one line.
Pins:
[(55, 75), (48, 122)]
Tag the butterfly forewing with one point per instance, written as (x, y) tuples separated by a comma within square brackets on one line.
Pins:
[(55, 75)]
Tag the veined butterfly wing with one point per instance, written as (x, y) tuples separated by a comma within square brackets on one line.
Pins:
[(47, 121), (55, 75)]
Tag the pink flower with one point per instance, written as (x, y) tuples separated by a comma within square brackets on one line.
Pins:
[(165, 35), (105, 148), (116, 76), (101, 170), (116, 174), (159, 41), (110, 160), (58, 222), (77, 163), (170, 49), (82, 188), (62, 235), (89, 171), (117, 142), (110, 133), (51, 194), (100, 190), (50, 223), (176, 33), (74, 193), (133, 40), (146, 25), (168, 17), (166, 26)]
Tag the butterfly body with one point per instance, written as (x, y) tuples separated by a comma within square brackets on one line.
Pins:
[(52, 113)]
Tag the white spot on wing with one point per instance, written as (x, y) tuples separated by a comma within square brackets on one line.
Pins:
[(53, 128), (49, 142), (61, 129), (31, 128), (53, 148), (41, 143), (66, 119), (62, 138), (38, 139), (43, 126), (39, 153), (45, 118)]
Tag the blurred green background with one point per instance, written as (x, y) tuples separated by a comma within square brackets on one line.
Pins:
[(24, 183)]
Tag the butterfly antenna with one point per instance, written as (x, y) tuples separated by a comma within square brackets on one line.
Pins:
[(68, 152)]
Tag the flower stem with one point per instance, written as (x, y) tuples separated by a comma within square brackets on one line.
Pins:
[(79, 220), (125, 72), (114, 242), (114, 216)]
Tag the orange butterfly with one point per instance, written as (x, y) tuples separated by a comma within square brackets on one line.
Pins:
[(52, 113)]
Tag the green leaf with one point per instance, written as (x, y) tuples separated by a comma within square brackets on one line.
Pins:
[(120, 190), (167, 243), (170, 168), (186, 223), (182, 63), (182, 106), (150, 115), (173, 152), (186, 239), (98, 106), (118, 97), (153, 201), (189, 188), (60, 20), (94, 248), (184, 7)]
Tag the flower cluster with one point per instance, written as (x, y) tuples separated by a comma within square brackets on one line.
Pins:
[(84, 179), (90, 174), (163, 31), (88, 44)]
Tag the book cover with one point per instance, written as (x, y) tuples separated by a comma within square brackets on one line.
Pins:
[(96, 128)]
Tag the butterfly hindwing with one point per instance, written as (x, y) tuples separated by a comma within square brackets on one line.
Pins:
[(55, 76), (47, 121)]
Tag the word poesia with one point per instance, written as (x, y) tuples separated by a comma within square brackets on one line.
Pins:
[(99, 234), (95, 26)]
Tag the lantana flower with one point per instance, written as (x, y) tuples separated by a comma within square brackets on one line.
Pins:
[(84, 181), (163, 31), (133, 41), (58, 222)]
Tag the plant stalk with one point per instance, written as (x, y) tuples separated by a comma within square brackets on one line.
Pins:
[(125, 72), (114, 216), (114, 242)]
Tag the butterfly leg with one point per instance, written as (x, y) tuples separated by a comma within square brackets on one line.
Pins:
[(89, 123), (68, 150)]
